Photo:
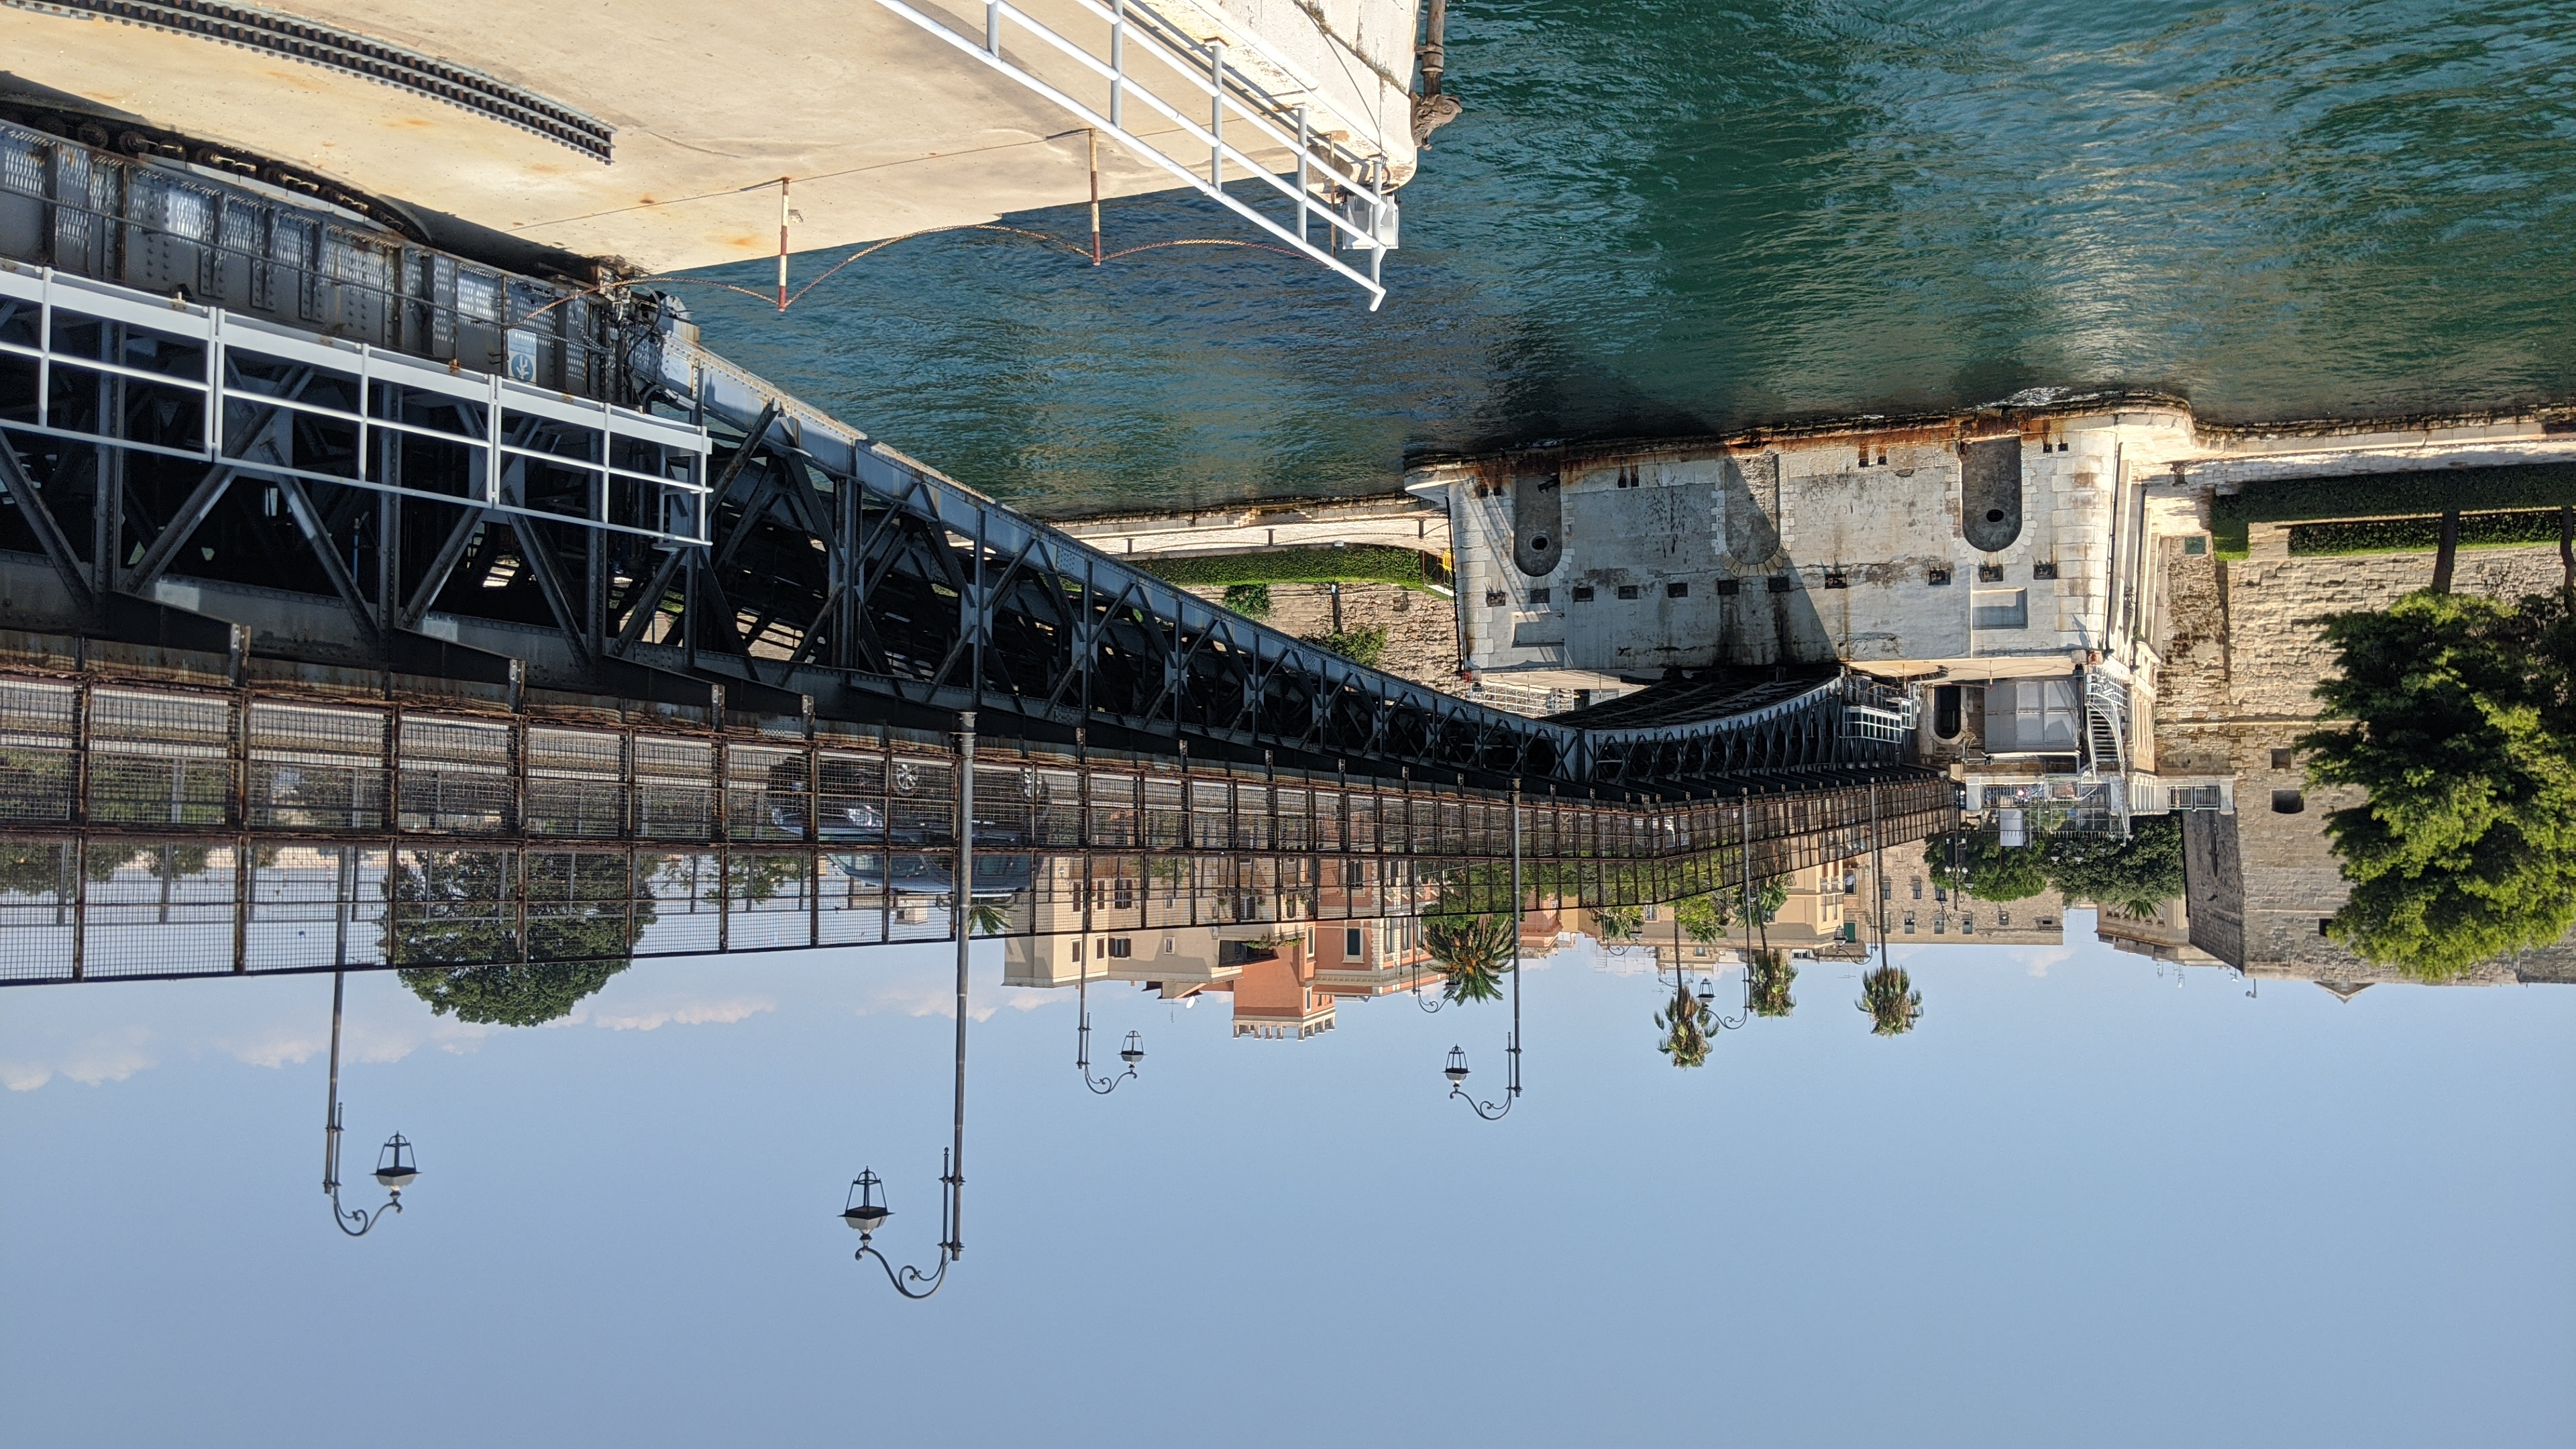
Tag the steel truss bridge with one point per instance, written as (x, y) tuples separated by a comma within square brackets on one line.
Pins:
[(327, 474), (170, 827)]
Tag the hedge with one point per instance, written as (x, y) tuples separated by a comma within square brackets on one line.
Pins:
[(2417, 535), (2505, 489), (1372, 563)]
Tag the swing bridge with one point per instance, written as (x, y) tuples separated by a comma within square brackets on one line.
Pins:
[(335, 567)]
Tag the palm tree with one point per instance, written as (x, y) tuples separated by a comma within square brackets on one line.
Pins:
[(1471, 953), (1888, 995), (988, 918), (1771, 978), (1688, 1025)]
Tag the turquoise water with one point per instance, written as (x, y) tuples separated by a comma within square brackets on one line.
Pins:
[(1683, 218)]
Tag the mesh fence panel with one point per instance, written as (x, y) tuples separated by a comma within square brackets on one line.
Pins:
[(767, 793), (159, 759), (316, 906), (38, 772), (576, 783), (166, 909), (770, 901), (315, 769), (457, 776), (37, 896), (675, 797)]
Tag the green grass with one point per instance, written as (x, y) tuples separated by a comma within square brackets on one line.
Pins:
[(2422, 535), (1363, 647), (2517, 486), (1372, 563)]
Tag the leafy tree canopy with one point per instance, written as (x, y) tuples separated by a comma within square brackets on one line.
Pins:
[(1704, 917), (456, 927), (2136, 875), (1979, 864), (2462, 729)]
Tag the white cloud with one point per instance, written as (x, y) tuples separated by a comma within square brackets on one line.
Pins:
[(691, 1013)]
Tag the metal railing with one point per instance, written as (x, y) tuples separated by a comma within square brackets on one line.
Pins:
[(1333, 184), (228, 379)]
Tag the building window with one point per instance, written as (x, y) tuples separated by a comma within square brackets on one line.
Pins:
[(1077, 948), (1538, 596), (2325, 925), (1918, 887), (1938, 578), (1940, 924), (1677, 590), (1627, 591), (1967, 925), (2195, 546), (2043, 571), (1990, 573), (1909, 923), (2003, 920), (1352, 949), (2288, 802), (2047, 923), (1837, 579), (1783, 583), (1728, 588), (1496, 598), (1120, 947), (1583, 593), (2281, 759)]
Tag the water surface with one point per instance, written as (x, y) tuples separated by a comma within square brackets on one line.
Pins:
[(1675, 218)]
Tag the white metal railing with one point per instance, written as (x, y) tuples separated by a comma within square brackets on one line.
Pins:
[(1341, 188), (58, 298)]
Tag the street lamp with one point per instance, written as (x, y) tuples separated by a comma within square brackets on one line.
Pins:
[(862, 1210), (1132, 1052), (866, 1213), (395, 1167), (1456, 1070)]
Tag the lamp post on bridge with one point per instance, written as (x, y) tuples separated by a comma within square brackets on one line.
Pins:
[(1456, 1068), (863, 1210), (396, 1168), (1131, 1053)]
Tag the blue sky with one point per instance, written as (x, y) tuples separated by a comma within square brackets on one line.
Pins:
[(2077, 1205)]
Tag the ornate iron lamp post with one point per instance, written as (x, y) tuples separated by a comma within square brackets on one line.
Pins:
[(863, 1211), (396, 1169), (1132, 1052)]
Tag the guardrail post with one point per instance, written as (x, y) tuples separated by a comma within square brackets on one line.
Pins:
[(1216, 114)]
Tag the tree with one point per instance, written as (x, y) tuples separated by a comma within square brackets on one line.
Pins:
[(1976, 863), (1471, 954), (1704, 918), (1617, 923), (2134, 876), (455, 922), (988, 917), (2456, 717), (1768, 979), (1252, 601), (1887, 994), (1688, 1026)]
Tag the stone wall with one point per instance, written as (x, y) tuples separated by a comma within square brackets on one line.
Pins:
[(1421, 627), (2273, 609), (2244, 650)]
